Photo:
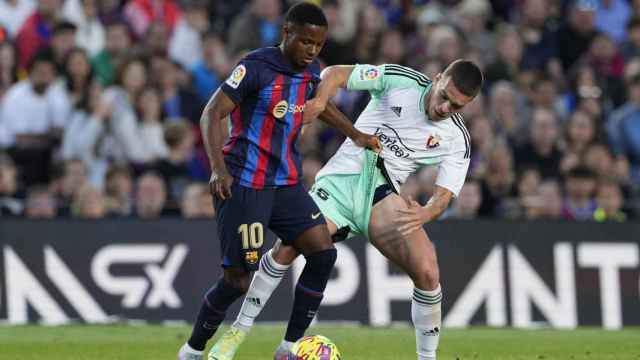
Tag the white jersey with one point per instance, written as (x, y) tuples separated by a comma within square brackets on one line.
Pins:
[(409, 138)]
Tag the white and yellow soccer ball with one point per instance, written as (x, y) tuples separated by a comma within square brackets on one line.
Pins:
[(315, 347)]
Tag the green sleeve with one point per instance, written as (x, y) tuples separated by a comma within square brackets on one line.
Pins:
[(379, 79)]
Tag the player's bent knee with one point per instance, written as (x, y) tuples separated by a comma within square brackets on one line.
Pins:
[(322, 261), (427, 276), (283, 254), (237, 278)]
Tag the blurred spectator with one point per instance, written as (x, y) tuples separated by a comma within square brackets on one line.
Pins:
[(63, 41), (507, 64), (370, 26), (581, 133), (575, 36), (134, 142), (631, 47), (70, 176), (117, 45), (214, 66), (506, 113), (36, 31), (88, 203), (185, 45), (197, 202), (610, 202), (10, 205), (119, 190), (623, 128), (482, 141), (604, 57), (174, 168), (498, 181), (13, 14), (538, 36), (142, 14), (257, 26), (392, 50), (467, 204), (90, 34), (580, 186), (151, 196), (542, 147), (341, 20), (149, 109), (545, 94), (611, 17), (546, 204), (40, 203), (31, 118), (598, 158), (474, 15), (77, 78), (8, 67), (177, 101), (156, 40)]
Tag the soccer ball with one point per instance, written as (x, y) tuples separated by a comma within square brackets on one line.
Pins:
[(314, 347)]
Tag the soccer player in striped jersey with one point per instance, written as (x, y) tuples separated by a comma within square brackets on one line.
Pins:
[(418, 123), (256, 176)]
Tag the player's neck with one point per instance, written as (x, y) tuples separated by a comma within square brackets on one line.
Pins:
[(291, 65)]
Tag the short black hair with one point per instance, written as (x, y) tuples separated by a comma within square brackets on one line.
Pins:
[(306, 13), (43, 55), (64, 26), (466, 76), (580, 172)]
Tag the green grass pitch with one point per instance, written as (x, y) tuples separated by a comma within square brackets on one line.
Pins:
[(118, 342)]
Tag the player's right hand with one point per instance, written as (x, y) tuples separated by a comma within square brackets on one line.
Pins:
[(220, 184), (312, 109)]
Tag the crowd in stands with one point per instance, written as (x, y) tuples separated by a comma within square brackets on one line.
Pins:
[(100, 100)]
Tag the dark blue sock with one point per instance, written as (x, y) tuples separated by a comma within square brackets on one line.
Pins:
[(213, 310), (309, 290)]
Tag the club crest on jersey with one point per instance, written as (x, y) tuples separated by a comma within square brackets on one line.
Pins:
[(433, 141), (280, 110), (369, 74), (236, 76), (251, 257)]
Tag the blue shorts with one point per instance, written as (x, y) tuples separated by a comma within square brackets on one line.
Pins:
[(244, 218)]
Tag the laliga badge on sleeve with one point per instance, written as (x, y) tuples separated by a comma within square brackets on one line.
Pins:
[(236, 76)]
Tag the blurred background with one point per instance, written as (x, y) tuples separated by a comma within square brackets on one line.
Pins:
[(100, 100)]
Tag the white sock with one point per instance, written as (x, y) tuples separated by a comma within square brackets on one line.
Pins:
[(286, 345), (188, 349), (427, 315), (264, 282)]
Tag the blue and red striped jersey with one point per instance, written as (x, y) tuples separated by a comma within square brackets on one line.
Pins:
[(270, 96)]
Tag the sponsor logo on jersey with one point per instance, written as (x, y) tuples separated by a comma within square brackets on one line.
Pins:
[(433, 141), (396, 110), (236, 76), (282, 107), (369, 74), (393, 142)]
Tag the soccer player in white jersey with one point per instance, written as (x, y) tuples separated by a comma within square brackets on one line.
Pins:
[(418, 124)]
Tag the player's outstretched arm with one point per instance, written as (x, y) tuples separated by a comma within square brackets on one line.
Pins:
[(320, 106), (412, 218), (213, 135)]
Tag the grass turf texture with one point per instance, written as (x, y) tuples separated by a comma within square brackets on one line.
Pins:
[(356, 343)]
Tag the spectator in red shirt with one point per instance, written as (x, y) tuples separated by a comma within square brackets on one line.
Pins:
[(36, 31)]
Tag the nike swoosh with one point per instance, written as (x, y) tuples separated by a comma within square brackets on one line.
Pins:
[(315, 216)]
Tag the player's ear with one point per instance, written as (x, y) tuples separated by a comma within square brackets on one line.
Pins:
[(286, 31)]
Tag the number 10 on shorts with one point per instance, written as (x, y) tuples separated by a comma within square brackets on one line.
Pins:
[(252, 235)]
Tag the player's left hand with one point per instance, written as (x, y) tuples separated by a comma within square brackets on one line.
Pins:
[(368, 141), (410, 219)]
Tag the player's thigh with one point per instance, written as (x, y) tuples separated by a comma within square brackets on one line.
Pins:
[(414, 253), (297, 220), (242, 223)]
